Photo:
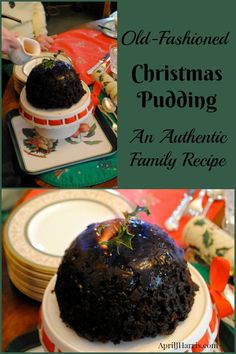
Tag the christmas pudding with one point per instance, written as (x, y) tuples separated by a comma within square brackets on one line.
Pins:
[(55, 101), (53, 84), (122, 280)]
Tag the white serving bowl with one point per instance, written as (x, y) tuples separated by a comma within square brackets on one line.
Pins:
[(200, 328), (56, 123)]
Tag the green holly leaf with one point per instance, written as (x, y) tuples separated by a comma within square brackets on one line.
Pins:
[(90, 134), (29, 133), (124, 236), (200, 222), (70, 141), (139, 209), (222, 251), (207, 239), (91, 131), (126, 240), (49, 63), (94, 142)]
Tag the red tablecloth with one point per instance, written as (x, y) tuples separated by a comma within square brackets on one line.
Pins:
[(85, 47), (161, 203)]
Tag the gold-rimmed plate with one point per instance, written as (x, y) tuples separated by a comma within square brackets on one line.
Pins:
[(25, 267), (32, 294), (34, 281), (21, 72), (22, 283), (38, 232), (27, 271)]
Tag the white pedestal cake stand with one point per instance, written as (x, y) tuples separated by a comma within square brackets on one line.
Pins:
[(57, 123), (199, 328)]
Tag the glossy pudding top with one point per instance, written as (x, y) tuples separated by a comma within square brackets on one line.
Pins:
[(107, 291)]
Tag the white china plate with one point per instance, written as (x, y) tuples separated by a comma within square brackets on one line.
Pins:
[(110, 24), (28, 67), (35, 350), (38, 232), (21, 72), (188, 331), (70, 217)]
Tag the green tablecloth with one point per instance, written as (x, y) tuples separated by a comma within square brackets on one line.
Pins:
[(82, 175)]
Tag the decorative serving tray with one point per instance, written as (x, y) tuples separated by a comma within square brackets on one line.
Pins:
[(36, 154)]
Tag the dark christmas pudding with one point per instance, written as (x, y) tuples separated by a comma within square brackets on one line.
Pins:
[(53, 84), (124, 279)]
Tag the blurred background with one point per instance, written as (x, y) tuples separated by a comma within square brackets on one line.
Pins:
[(62, 15)]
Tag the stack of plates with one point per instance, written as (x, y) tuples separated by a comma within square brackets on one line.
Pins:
[(38, 232), (21, 72), (18, 83)]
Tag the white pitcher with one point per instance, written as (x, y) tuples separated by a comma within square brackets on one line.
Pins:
[(28, 49)]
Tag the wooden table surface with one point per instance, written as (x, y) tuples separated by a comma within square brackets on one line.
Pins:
[(19, 313), (10, 101)]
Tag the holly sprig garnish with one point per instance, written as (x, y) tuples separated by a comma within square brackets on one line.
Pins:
[(49, 63), (122, 235)]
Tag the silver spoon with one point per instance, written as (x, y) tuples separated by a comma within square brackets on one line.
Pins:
[(109, 106), (213, 194), (113, 125)]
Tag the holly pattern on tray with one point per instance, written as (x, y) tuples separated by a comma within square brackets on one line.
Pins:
[(38, 146), (84, 131)]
